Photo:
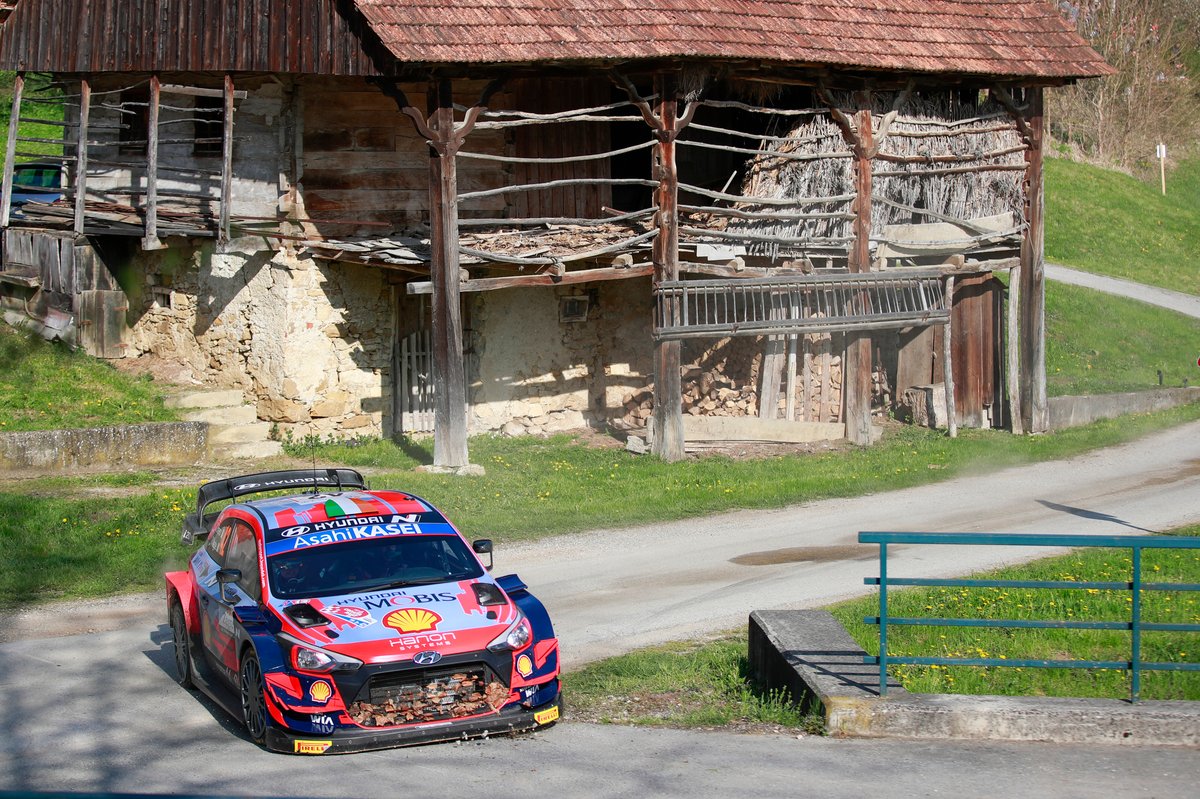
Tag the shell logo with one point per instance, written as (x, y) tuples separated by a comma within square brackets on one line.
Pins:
[(320, 691), (412, 620), (524, 666)]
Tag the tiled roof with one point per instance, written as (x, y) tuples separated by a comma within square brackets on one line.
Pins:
[(1013, 38)]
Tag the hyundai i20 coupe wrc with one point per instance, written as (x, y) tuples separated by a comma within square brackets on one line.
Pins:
[(330, 618)]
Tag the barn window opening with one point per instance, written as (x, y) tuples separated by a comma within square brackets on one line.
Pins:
[(573, 308), (134, 132), (209, 116)]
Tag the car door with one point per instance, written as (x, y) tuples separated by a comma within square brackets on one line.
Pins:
[(237, 548)]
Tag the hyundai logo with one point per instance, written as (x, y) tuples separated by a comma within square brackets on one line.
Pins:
[(292, 532), (427, 658)]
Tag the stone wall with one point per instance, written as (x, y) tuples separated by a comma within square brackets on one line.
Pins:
[(309, 343), (532, 373)]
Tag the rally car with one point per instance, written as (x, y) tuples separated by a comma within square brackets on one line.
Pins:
[(330, 618)]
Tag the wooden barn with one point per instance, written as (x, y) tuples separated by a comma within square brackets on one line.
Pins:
[(411, 216)]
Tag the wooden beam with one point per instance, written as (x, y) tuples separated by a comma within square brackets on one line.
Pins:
[(1034, 405), (449, 374), (11, 148), (81, 154), (523, 281), (150, 238)]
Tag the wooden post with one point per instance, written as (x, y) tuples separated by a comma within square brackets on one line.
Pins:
[(856, 379), (10, 149), (81, 155), (450, 396), (1012, 343), (948, 362), (150, 239), (1034, 406), (790, 382), (226, 164), (668, 392)]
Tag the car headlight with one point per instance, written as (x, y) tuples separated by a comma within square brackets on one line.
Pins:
[(307, 658), (515, 637)]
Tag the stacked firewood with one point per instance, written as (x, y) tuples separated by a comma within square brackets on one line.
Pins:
[(454, 696), (705, 393)]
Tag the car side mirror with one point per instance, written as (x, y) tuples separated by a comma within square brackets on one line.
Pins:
[(224, 578), (483, 546)]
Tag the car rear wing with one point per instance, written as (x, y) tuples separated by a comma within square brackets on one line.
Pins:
[(196, 525)]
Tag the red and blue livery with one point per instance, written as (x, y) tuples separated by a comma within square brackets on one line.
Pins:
[(331, 618)]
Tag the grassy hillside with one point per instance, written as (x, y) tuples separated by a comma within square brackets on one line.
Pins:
[(44, 386), (1112, 224)]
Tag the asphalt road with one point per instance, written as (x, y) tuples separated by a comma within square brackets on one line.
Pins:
[(100, 711), (1187, 304)]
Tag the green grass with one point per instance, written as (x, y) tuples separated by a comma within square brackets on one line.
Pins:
[(682, 685), (39, 101), (1124, 352), (536, 487), (44, 386), (1113, 224), (1177, 607), (533, 488)]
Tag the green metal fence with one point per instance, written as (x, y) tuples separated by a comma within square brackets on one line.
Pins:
[(1135, 625)]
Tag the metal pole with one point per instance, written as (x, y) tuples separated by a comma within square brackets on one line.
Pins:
[(1135, 682), (883, 611)]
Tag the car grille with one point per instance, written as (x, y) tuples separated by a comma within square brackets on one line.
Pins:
[(416, 697)]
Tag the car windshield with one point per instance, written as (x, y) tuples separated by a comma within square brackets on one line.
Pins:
[(371, 565)]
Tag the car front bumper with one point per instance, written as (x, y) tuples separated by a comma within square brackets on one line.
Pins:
[(344, 740)]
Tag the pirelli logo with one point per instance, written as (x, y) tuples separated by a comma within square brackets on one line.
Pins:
[(546, 716), (312, 747)]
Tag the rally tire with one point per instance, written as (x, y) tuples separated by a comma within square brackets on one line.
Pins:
[(182, 641), (254, 700)]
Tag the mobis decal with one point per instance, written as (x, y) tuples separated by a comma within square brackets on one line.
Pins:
[(394, 598), (412, 620)]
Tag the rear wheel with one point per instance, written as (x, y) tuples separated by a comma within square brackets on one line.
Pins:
[(182, 640), (254, 703)]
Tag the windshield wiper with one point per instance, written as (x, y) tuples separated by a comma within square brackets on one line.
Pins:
[(407, 583)]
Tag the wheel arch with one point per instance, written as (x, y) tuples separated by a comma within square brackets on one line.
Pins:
[(180, 588)]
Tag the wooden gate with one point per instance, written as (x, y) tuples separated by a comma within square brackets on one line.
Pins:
[(414, 405)]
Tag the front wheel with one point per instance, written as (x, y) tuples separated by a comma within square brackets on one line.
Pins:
[(254, 702), (182, 641)]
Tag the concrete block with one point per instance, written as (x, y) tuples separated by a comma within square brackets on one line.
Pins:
[(810, 654), (1075, 411), (156, 444)]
